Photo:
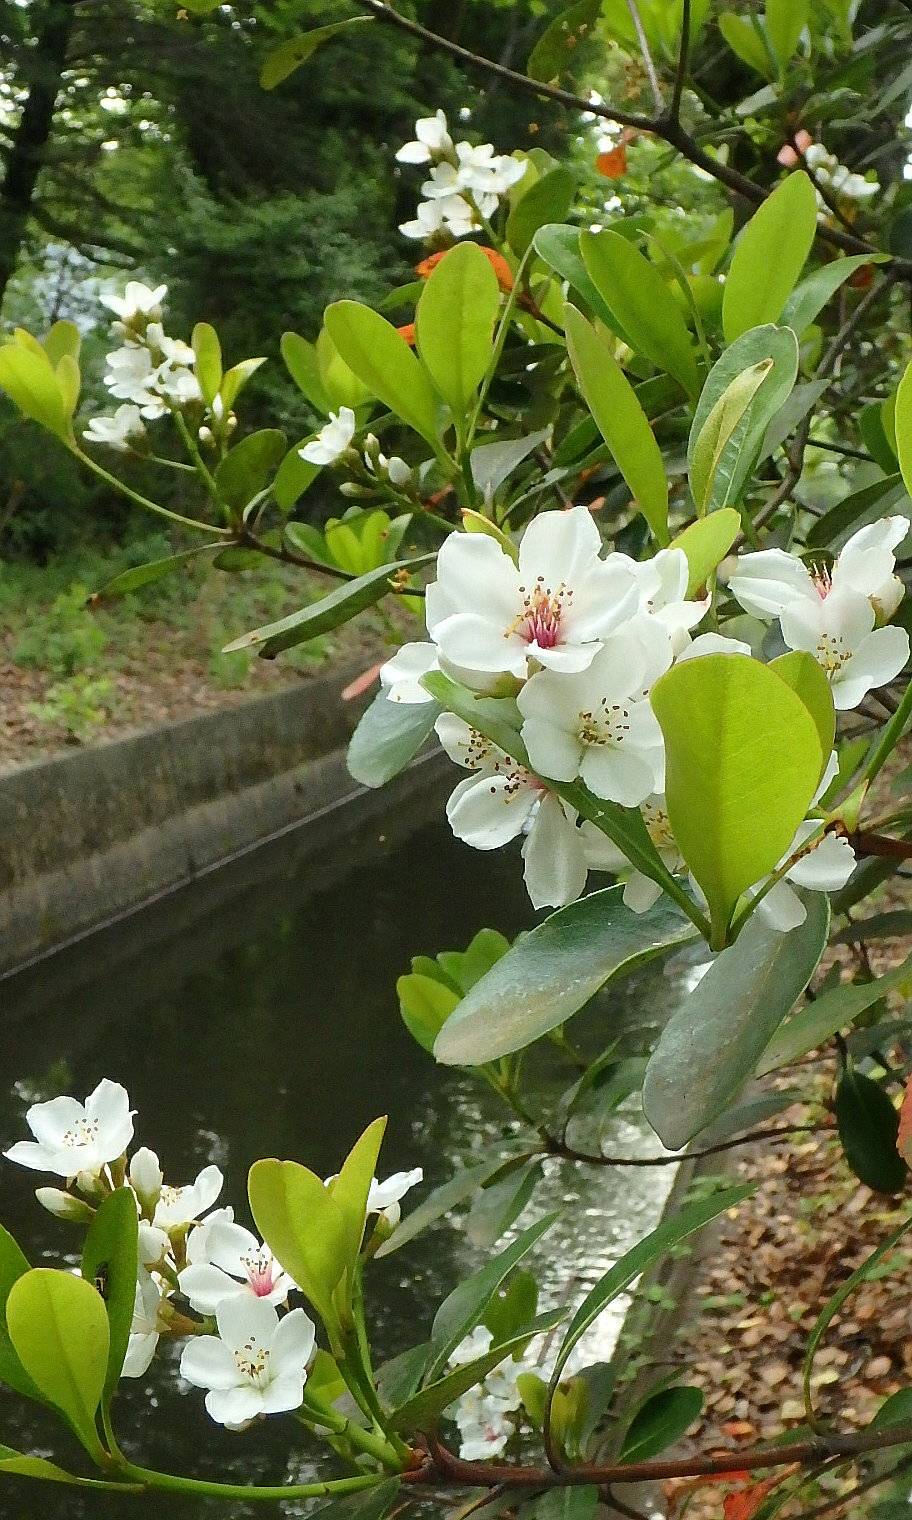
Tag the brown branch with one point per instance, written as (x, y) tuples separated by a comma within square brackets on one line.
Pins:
[(555, 1147), (880, 844), (674, 109)]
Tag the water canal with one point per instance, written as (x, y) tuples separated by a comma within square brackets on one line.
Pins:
[(256, 1014)]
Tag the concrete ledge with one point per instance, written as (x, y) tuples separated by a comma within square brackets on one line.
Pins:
[(90, 836)]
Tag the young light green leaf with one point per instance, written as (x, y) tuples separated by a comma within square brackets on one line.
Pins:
[(109, 1260), (388, 736), (559, 246), (903, 420), (330, 612), (282, 62), (62, 339), (30, 382), (719, 430), (454, 323), (661, 1421), (13, 1265), (382, 360), (350, 1188), (712, 1041), (635, 1261), (785, 21), (706, 543), (805, 676), (553, 971), (745, 37), (621, 420), (303, 365), (303, 1226), (205, 343), (769, 256), (59, 1330), (236, 378), (743, 761), (425, 1005), (631, 285)]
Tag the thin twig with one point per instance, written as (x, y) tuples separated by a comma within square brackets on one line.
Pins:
[(557, 1147), (674, 110), (648, 64)]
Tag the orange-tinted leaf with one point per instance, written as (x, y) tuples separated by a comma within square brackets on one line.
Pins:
[(498, 263), (613, 164), (744, 1504)]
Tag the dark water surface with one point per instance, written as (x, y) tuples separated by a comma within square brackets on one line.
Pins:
[(256, 1014)]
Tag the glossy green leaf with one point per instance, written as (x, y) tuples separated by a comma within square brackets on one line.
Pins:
[(808, 299), (145, 575), (706, 543), (559, 246), (712, 1041), (864, 506), (388, 736), (874, 435), (422, 1411), (621, 420), (868, 1126), (341, 384), (282, 61), (109, 1261), (903, 420), (462, 1309), (727, 422), (350, 1188), (785, 21), (769, 256), (800, 671), (826, 1015), (743, 760), (513, 1306), (631, 285), (205, 343), (636, 1261), (499, 1204), (249, 468), (546, 202), (460, 1187), (745, 38), (303, 1226), (553, 971), (30, 382), (330, 612), (401, 1376), (661, 1421), (236, 378), (559, 44), (755, 347), (454, 323), (293, 477), (303, 365), (59, 1330), (425, 1005), (493, 463), (18, 1465), (13, 1265), (382, 360)]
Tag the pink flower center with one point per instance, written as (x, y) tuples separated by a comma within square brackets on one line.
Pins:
[(261, 1274), (823, 581), (540, 620)]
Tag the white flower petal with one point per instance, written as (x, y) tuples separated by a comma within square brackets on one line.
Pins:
[(488, 811), (554, 861)]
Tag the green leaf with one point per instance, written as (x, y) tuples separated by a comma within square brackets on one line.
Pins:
[(18, 1465), (422, 1411), (303, 1226), (205, 344), (293, 477), (642, 302), (59, 1329), (401, 1376), (744, 759), (621, 420), (249, 468), (500, 1203), (458, 1189), (109, 1261), (454, 323), (30, 382), (547, 201), (383, 361), (495, 717), (552, 972), (785, 21), (874, 435), (425, 1005), (769, 256), (558, 45), (660, 1422), (745, 447), (303, 365), (800, 671), (866, 505), (719, 431), (638, 1259), (826, 1015), (282, 62), (713, 1040), (493, 463), (350, 1188), (388, 736), (903, 420), (868, 1126), (559, 246), (236, 378), (706, 543), (339, 607), (62, 339), (809, 298), (462, 1309), (145, 575), (745, 37), (13, 1265), (578, 1503), (370, 1504)]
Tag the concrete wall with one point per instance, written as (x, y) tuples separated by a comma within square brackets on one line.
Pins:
[(88, 836)]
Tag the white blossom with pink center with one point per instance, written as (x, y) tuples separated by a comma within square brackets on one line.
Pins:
[(256, 1365), (235, 1263), (553, 609)]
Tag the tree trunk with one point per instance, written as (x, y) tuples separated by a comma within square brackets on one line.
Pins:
[(25, 156)]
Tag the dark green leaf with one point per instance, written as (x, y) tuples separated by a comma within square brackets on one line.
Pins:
[(547, 201), (868, 1126), (249, 468), (832, 529), (559, 246), (500, 1203), (401, 1376), (463, 1309), (578, 1503), (660, 1422), (559, 44), (424, 1409), (109, 1260), (282, 62), (493, 463), (832, 1011), (462, 1186), (144, 575)]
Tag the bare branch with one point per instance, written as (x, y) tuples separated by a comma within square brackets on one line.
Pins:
[(648, 63)]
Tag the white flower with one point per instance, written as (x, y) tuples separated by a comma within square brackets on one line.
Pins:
[(662, 583), (152, 1244), (598, 724), (448, 183), (432, 140), (451, 213), (179, 386), (332, 440), (115, 432), (73, 1138), (236, 1264), (133, 377), (181, 1206), (401, 676), (481, 1414), (839, 632), (256, 1365), (827, 169), (503, 800), (138, 300), (144, 1330), (471, 1347), (823, 866), (555, 608), (640, 892), (398, 473), (384, 1197), (486, 173)]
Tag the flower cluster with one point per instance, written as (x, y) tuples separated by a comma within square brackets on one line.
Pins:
[(465, 183), (830, 175), (196, 1264), (578, 638), (485, 1416)]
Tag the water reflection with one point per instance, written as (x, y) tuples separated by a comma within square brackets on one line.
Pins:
[(266, 1023)]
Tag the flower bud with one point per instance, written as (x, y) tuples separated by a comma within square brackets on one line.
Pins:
[(351, 488), (398, 471), (146, 1179), (63, 1205)]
